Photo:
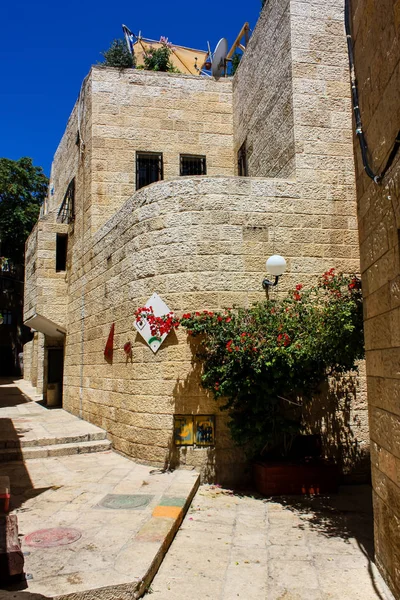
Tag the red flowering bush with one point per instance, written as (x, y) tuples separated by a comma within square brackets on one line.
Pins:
[(266, 361), (158, 325)]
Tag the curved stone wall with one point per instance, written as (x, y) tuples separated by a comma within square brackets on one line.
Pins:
[(200, 243)]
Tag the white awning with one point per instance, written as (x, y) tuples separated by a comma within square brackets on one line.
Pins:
[(44, 325)]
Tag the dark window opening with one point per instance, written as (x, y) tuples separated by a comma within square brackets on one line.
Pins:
[(149, 168), (61, 251), (66, 214), (193, 165), (242, 161)]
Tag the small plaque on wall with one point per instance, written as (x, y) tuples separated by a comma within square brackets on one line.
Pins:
[(204, 430), (198, 430), (183, 430)]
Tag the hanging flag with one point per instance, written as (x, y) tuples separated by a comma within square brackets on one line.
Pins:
[(129, 37), (109, 349)]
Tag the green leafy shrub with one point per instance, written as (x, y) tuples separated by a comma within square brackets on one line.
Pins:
[(265, 362), (158, 59), (118, 56)]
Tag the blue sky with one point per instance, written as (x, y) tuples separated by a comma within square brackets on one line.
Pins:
[(47, 48)]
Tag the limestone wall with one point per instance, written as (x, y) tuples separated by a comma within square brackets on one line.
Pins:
[(263, 105), (376, 30), (200, 244), (45, 288), (154, 112)]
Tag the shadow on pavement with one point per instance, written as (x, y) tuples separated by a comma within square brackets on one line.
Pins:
[(22, 488)]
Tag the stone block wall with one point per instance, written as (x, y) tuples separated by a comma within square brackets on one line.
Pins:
[(200, 244), (154, 112), (376, 34), (263, 96), (45, 288)]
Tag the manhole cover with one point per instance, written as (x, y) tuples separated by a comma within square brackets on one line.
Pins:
[(125, 501), (48, 538)]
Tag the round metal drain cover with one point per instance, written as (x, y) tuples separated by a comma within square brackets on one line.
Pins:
[(125, 501), (57, 536)]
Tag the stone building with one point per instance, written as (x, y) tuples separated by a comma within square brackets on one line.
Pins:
[(240, 168), (376, 35)]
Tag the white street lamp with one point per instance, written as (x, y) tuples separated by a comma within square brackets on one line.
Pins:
[(276, 265)]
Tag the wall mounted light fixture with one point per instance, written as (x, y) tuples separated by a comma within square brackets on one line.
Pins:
[(276, 265)]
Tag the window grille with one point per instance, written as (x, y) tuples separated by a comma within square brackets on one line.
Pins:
[(193, 165), (66, 214), (149, 168), (242, 161)]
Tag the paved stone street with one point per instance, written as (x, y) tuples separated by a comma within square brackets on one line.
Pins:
[(232, 547), (93, 524)]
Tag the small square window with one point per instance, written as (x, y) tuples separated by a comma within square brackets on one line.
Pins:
[(193, 165), (61, 251), (149, 168)]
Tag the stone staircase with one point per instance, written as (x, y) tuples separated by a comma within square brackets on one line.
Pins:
[(28, 429), (11, 450)]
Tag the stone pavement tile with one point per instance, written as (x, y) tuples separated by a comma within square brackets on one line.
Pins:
[(245, 581), (292, 574), (289, 537), (178, 587), (290, 552), (283, 593)]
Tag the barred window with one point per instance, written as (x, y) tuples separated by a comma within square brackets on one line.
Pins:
[(193, 165), (66, 214), (149, 168)]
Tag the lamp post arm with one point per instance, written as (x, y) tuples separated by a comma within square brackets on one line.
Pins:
[(267, 283)]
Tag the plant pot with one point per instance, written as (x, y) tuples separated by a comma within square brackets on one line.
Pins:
[(278, 478)]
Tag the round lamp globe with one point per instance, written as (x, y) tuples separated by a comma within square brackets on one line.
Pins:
[(276, 265)]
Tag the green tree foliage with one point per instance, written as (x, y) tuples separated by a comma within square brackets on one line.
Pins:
[(23, 188), (236, 58), (118, 55), (266, 362), (158, 59)]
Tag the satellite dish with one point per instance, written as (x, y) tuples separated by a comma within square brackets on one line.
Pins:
[(218, 61)]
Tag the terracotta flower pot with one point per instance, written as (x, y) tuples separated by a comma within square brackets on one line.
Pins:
[(278, 478)]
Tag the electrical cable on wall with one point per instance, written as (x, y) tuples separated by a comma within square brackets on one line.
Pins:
[(377, 178)]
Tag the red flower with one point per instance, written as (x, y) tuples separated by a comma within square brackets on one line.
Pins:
[(219, 318), (228, 320), (299, 287)]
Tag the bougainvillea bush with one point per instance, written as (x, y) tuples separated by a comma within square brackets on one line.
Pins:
[(264, 363)]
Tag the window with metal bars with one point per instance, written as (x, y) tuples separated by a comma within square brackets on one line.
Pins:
[(242, 161), (66, 214), (193, 165), (149, 168)]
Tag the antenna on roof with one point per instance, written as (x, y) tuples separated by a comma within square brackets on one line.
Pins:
[(218, 60)]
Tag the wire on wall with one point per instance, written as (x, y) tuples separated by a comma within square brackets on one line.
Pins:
[(377, 178)]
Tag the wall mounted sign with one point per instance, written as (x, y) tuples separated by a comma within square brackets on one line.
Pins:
[(204, 428), (197, 430), (183, 430), (160, 309)]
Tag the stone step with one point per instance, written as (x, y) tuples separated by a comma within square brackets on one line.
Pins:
[(12, 454), (51, 441)]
